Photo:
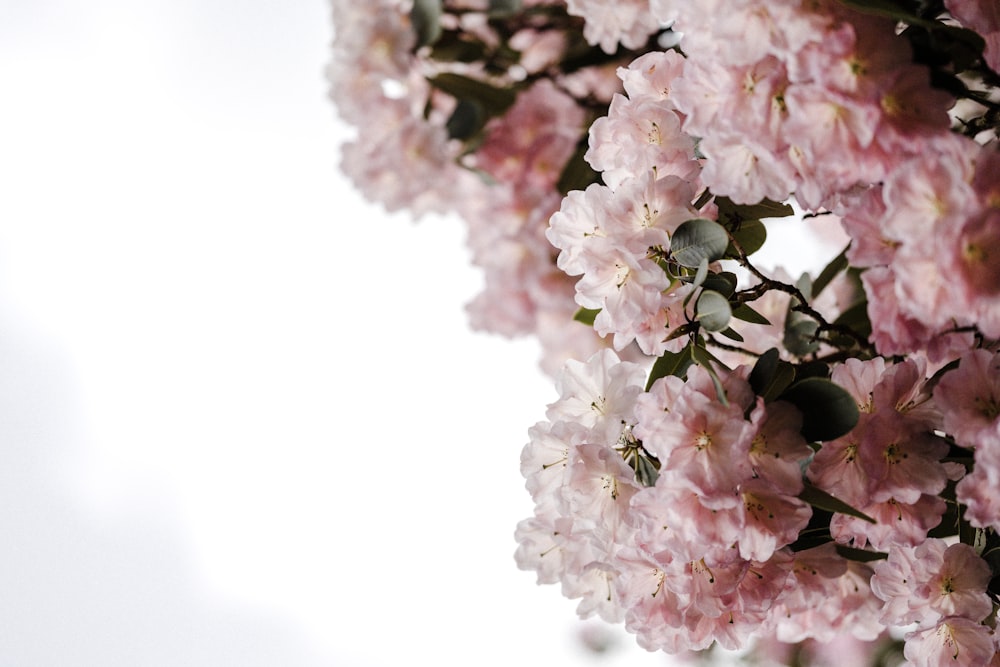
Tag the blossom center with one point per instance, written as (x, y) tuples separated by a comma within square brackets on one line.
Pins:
[(702, 441), (610, 485)]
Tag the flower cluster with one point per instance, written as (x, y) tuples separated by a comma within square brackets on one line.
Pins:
[(666, 509), (605, 233), (475, 98), (737, 457)]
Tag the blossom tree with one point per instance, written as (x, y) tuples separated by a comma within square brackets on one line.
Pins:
[(737, 458)]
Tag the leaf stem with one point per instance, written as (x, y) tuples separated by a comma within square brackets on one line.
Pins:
[(766, 284)]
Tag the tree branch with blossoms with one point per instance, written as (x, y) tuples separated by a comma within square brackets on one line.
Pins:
[(807, 467)]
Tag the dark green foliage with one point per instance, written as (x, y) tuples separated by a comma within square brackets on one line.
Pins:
[(697, 240), (828, 411)]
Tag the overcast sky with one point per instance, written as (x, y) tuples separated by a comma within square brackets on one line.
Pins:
[(242, 419)]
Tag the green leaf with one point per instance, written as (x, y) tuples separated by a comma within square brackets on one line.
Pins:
[(885, 8), (504, 8), (713, 311), (816, 533), (697, 240), (700, 276), (823, 500), (683, 330), (587, 315), (799, 334), (669, 363), (748, 314), (723, 282), (828, 411), (829, 272), (706, 359), (750, 234), (466, 120), (646, 471), (732, 334), (702, 356), (577, 173), (860, 555), (805, 286), (934, 42), (493, 100), (733, 212), (962, 46), (951, 521), (812, 369), (856, 317), (771, 375), (425, 16), (763, 371), (453, 46), (990, 549)]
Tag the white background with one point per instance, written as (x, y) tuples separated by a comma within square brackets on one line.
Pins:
[(242, 419)]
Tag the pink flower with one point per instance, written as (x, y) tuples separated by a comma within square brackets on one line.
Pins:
[(546, 456), (597, 490), (531, 142), (854, 57), (959, 579), (579, 228), (863, 223), (398, 160), (608, 23), (652, 74), (859, 379), (902, 459), (538, 49), (954, 642), (977, 269), (773, 520), (778, 450), (894, 331), (751, 604), (977, 491), (901, 389), (969, 398), (599, 395), (913, 107), (838, 467), (594, 585), (896, 523), (827, 595), (830, 136), (540, 542), (637, 136), (650, 210), (673, 522), (706, 443), (606, 236), (746, 171), (653, 611), (932, 581)]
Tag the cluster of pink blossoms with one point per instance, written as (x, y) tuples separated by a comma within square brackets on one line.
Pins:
[(927, 235), (405, 154), (605, 233), (682, 509), (502, 179), (744, 457), (701, 554), (680, 514)]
